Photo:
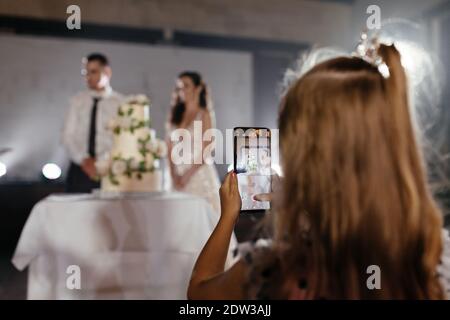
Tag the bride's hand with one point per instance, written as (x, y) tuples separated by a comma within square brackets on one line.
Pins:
[(177, 182), (184, 179), (230, 199)]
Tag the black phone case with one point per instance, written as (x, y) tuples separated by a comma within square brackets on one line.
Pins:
[(253, 211)]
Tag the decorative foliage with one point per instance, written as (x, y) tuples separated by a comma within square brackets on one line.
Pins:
[(129, 167), (125, 120), (130, 118)]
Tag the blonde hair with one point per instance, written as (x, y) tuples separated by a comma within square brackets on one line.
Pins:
[(355, 192)]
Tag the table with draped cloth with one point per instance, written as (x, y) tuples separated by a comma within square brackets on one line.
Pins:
[(140, 246)]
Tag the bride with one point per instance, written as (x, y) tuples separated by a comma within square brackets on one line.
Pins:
[(191, 107)]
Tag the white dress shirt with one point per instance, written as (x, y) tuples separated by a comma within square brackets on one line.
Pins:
[(75, 136)]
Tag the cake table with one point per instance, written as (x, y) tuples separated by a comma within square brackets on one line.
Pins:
[(100, 246)]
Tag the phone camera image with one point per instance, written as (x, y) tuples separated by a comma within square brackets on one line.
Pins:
[(253, 166)]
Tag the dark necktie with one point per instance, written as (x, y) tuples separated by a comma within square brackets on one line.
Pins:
[(92, 128)]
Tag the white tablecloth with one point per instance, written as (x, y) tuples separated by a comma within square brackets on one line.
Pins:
[(135, 247)]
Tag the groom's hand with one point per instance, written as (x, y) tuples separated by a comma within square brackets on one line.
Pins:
[(88, 166)]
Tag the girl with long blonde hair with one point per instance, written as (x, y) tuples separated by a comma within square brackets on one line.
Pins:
[(354, 195)]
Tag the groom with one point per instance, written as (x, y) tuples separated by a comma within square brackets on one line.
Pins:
[(85, 134)]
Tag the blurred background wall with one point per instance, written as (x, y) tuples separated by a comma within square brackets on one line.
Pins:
[(242, 47)]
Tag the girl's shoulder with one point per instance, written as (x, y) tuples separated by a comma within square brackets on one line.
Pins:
[(262, 268)]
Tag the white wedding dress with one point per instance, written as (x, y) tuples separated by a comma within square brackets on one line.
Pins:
[(205, 181)]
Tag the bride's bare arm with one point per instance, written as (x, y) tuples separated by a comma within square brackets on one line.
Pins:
[(169, 157), (206, 124), (173, 173)]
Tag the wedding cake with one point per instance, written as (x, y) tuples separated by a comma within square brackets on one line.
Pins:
[(133, 162)]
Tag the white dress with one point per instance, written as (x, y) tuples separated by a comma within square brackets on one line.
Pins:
[(205, 181)]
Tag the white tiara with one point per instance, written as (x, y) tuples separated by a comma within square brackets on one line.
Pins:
[(367, 49)]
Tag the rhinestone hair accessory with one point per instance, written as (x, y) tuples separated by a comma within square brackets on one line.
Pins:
[(367, 49)]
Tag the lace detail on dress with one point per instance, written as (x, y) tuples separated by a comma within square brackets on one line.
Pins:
[(205, 181)]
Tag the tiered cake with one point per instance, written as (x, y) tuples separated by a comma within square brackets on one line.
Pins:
[(133, 163)]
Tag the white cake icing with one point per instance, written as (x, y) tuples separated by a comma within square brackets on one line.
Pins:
[(133, 163)]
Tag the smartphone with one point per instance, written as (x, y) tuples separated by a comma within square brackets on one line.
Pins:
[(252, 164)]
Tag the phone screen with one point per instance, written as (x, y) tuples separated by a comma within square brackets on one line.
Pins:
[(252, 163)]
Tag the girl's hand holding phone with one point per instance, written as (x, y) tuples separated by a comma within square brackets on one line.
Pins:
[(230, 199)]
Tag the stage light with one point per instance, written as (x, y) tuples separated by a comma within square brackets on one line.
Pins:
[(2, 169), (51, 171)]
